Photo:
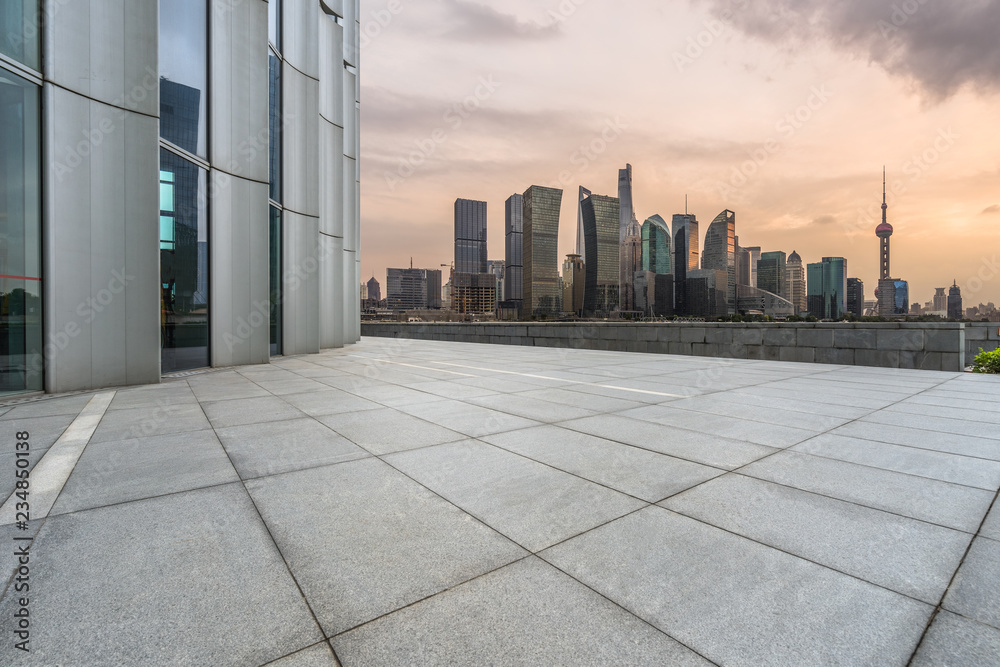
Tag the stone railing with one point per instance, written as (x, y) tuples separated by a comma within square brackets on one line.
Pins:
[(985, 335), (926, 346)]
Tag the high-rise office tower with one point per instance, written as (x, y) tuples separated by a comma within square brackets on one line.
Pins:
[(771, 273), (541, 252), (600, 223), (630, 261), (795, 283), (743, 266), (374, 290), (955, 311), (686, 255), (827, 288), (581, 237), (705, 293), (514, 269), (626, 211), (498, 268), (574, 284), (656, 246), (940, 300), (855, 297), (720, 252), (754, 258), (470, 236), (412, 289)]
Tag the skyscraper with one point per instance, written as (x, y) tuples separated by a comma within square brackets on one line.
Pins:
[(470, 236), (514, 270), (600, 222), (581, 237), (498, 268), (574, 284), (686, 255), (720, 252), (955, 311), (855, 297), (771, 273), (540, 244), (656, 245), (888, 303), (795, 283), (827, 289), (754, 258), (940, 300), (374, 290), (626, 212), (407, 289), (630, 254)]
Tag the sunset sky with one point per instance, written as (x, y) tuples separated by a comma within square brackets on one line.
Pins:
[(783, 111)]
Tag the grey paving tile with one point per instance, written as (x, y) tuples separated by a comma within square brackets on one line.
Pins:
[(317, 655), (506, 618), (689, 445), (8, 461), (613, 389), (531, 503), (471, 420), (363, 540), (227, 391), (153, 396), (951, 505), (506, 384), (953, 641), (939, 424), (394, 396), (920, 410), (933, 465), (144, 422), (42, 431), (329, 402), (762, 397), (991, 527), (385, 431), (581, 400), (905, 555), (531, 408), (449, 389), (974, 592), (637, 472), (47, 407), (277, 447), (162, 581), (249, 411), (114, 472), (738, 602), (769, 435), (773, 415), (297, 386)]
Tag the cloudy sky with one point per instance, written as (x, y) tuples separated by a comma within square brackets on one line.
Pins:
[(784, 111)]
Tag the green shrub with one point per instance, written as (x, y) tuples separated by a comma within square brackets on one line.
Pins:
[(987, 362)]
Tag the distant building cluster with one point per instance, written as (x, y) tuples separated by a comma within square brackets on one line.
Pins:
[(624, 269)]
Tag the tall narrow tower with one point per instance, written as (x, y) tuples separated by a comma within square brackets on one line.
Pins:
[(886, 292), (884, 231)]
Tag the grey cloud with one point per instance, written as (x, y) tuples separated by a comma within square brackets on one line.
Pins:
[(940, 46), (991, 210), (473, 22), (825, 220)]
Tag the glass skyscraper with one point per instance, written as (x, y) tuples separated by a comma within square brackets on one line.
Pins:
[(540, 243), (827, 288), (771, 273), (513, 287), (600, 223), (656, 245), (470, 236), (720, 252), (686, 256)]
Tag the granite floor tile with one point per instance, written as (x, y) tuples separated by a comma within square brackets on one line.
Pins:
[(908, 556), (954, 641), (296, 386), (506, 618), (142, 422), (471, 420), (974, 592), (531, 408), (162, 581), (42, 431), (120, 471), (683, 444), (921, 410), (8, 461), (394, 396), (768, 435), (738, 602), (531, 503), (153, 396), (578, 399), (448, 389), (329, 402), (991, 527), (47, 407), (939, 424), (363, 540), (228, 391), (638, 472), (317, 655), (953, 468), (950, 505), (276, 447), (249, 411), (385, 431), (772, 415)]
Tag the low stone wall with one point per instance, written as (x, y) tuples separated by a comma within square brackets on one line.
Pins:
[(985, 335), (926, 346)]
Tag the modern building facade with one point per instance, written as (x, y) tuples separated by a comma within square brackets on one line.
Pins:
[(470, 236), (827, 288), (686, 256), (498, 268), (413, 289), (574, 284), (705, 293), (855, 297), (195, 200), (955, 311), (540, 244), (771, 273), (795, 283), (754, 258), (720, 252), (600, 222), (940, 303), (630, 261), (656, 246), (513, 281), (654, 293), (374, 290), (626, 211), (752, 300), (473, 293), (581, 235)]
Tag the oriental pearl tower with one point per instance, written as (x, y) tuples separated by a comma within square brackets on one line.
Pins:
[(892, 294), (884, 231)]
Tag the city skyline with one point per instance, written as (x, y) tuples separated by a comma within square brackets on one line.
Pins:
[(515, 129)]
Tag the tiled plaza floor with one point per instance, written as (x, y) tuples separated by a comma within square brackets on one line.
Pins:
[(420, 503)]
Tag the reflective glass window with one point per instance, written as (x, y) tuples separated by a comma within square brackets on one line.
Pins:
[(275, 280), (20, 30), (274, 23), (275, 127), (20, 236), (184, 302), (184, 74)]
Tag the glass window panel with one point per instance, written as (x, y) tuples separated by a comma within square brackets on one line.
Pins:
[(20, 236), (184, 74), (274, 23), (184, 302), (19, 32), (275, 127), (275, 280)]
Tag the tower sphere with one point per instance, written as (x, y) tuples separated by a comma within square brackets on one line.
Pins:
[(884, 230)]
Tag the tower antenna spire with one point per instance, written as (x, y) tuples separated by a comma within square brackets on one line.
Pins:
[(685, 204)]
